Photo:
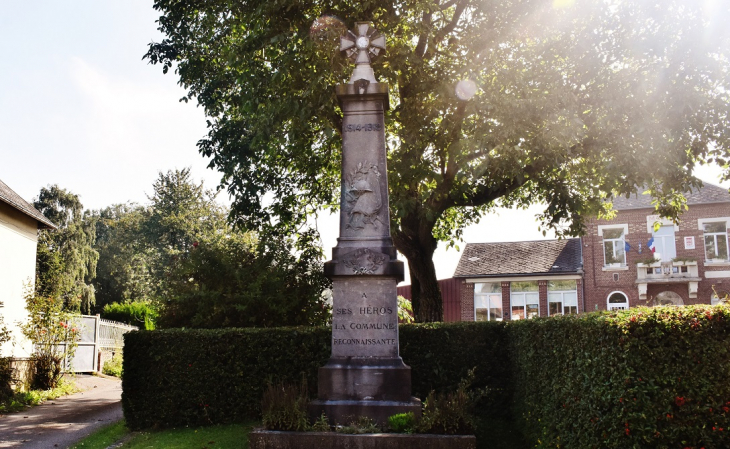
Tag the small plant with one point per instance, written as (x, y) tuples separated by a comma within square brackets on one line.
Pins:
[(402, 422), (361, 425), (321, 424), (284, 407), (684, 259), (113, 366), (451, 413), (648, 260)]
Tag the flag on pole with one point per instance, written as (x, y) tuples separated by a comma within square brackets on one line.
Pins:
[(627, 247), (650, 244)]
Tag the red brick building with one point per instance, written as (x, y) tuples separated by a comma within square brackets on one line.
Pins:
[(516, 280), (636, 259), (639, 259)]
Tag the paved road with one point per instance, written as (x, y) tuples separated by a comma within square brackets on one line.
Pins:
[(64, 421)]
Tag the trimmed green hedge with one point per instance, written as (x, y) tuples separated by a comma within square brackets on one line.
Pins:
[(189, 377), (640, 378)]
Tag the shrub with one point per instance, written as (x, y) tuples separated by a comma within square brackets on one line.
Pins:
[(113, 366), (451, 413), (6, 379), (54, 338), (402, 422), (284, 407), (140, 314)]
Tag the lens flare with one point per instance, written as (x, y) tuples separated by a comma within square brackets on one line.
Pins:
[(465, 89), (561, 4)]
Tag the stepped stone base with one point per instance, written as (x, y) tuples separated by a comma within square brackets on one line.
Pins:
[(269, 439)]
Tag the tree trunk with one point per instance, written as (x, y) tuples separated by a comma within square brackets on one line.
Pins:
[(425, 291)]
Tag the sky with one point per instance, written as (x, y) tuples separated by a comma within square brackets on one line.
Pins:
[(80, 108)]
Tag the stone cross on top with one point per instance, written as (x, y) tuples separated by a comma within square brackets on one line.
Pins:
[(361, 45)]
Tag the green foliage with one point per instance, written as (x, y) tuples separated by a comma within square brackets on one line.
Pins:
[(213, 375), (639, 378), (113, 366), (140, 314), (575, 101), (54, 336), (66, 260), (103, 438), (232, 281), (405, 310), (451, 413), (284, 407), (123, 273), (402, 422), (359, 425), (6, 379), (20, 400), (322, 424), (228, 369)]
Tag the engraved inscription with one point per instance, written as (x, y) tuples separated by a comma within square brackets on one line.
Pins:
[(363, 198), (364, 341), (364, 261), (366, 127)]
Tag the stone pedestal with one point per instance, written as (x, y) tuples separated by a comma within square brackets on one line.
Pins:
[(365, 375)]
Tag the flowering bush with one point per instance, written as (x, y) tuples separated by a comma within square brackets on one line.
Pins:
[(54, 336)]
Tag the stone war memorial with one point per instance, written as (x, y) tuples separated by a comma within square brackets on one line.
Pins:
[(365, 375)]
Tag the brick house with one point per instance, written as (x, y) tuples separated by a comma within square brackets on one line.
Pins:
[(635, 259), (516, 280), (689, 258)]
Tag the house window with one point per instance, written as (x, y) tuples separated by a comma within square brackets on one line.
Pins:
[(663, 245), (525, 300), (562, 297), (614, 253), (715, 235), (618, 301), (487, 301)]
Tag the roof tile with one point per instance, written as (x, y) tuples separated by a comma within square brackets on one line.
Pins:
[(7, 195), (520, 258)]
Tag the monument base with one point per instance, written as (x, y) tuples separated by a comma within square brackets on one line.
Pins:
[(345, 412), (269, 439), (373, 387)]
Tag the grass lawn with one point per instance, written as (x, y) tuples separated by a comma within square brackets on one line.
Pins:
[(213, 437)]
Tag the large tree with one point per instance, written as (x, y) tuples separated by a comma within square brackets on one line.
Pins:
[(575, 101), (66, 260)]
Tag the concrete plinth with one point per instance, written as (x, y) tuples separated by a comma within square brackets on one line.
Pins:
[(267, 439)]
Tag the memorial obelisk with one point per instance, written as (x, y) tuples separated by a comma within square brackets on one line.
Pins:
[(365, 375)]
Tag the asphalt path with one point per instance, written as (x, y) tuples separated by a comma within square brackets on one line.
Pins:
[(64, 421)]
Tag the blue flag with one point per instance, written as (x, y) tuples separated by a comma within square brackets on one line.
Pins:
[(627, 247)]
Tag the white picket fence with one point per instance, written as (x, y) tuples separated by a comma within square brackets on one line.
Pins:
[(97, 336)]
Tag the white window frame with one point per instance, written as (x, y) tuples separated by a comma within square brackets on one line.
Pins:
[(701, 225), (519, 299), (487, 297), (621, 241), (562, 301), (617, 305), (663, 242)]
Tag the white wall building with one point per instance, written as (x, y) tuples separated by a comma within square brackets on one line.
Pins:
[(19, 225)]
